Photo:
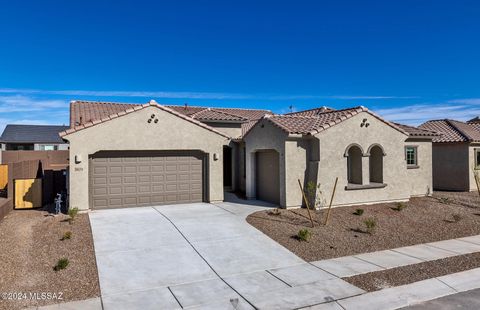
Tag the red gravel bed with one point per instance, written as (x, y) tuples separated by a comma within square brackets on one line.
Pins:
[(31, 247), (378, 280), (424, 219)]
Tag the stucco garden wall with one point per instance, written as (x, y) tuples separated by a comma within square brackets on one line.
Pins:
[(335, 140), (133, 132), (420, 178)]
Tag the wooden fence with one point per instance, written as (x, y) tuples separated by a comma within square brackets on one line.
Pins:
[(28, 193), (3, 176)]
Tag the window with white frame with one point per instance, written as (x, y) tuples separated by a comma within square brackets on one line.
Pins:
[(411, 156)]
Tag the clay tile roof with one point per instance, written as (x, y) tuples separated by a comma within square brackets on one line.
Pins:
[(90, 111), (311, 112), (453, 131), (216, 115), (417, 132), (295, 124), (130, 109)]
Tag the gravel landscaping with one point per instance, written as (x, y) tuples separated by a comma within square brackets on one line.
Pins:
[(446, 215), (31, 246), (378, 280)]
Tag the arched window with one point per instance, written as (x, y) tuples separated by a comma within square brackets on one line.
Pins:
[(376, 164), (354, 164)]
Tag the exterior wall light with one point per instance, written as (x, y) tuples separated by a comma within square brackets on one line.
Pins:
[(215, 156), (78, 159)]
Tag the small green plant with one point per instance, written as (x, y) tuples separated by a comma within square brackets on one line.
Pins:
[(444, 200), (358, 212), (304, 234), (61, 264), (72, 213), (456, 218), (370, 225), (400, 206), (67, 235)]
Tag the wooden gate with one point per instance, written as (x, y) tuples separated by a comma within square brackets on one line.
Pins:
[(3, 176), (28, 193)]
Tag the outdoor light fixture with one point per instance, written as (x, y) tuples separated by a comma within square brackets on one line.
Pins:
[(215, 156), (78, 159)]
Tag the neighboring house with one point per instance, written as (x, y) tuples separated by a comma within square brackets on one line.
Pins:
[(124, 155), (456, 153), (32, 138)]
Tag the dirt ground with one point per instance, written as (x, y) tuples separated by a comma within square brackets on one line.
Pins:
[(446, 215), (374, 281), (30, 247)]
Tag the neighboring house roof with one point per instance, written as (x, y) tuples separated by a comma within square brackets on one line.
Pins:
[(453, 131), (304, 125), (417, 132), (32, 134), (474, 120), (88, 111), (213, 115), (135, 108), (311, 112)]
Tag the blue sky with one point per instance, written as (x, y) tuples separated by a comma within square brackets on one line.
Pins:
[(406, 60)]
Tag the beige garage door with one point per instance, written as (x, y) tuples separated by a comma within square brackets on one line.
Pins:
[(268, 176), (129, 179)]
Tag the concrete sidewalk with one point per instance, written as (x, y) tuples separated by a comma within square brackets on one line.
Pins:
[(368, 262)]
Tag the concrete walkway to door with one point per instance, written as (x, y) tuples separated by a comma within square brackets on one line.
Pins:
[(202, 256)]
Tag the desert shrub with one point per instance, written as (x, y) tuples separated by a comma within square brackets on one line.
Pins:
[(400, 206), (370, 225), (444, 200), (456, 217), (62, 263), (304, 234), (358, 212), (67, 235), (275, 211), (72, 213)]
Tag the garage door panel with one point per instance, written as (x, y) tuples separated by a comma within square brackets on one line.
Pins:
[(130, 169), (115, 180), (115, 190), (144, 179), (121, 180)]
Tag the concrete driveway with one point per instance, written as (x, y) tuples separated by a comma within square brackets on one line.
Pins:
[(201, 256)]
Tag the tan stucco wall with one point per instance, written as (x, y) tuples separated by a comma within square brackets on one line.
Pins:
[(233, 130), (451, 166), (264, 136), (133, 132), (420, 179), (471, 165), (333, 143), (296, 156)]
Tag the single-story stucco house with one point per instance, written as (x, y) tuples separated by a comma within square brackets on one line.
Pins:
[(456, 153), (124, 155)]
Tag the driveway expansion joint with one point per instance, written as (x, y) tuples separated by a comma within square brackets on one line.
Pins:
[(203, 258)]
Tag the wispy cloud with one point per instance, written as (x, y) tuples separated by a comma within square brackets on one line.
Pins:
[(21, 103), (475, 101), (190, 95), (419, 113)]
